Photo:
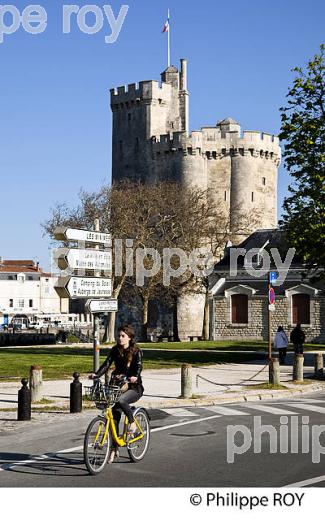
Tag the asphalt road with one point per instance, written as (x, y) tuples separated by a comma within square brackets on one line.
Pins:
[(190, 447)]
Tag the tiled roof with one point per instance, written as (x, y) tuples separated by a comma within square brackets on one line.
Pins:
[(19, 266)]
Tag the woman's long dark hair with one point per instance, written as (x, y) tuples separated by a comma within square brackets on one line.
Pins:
[(132, 348)]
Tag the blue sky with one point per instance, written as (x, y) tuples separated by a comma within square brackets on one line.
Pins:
[(55, 132)]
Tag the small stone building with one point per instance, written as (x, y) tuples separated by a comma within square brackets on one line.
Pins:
[(239, 302)]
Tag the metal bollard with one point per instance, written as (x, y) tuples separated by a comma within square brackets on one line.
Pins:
[(319, 365), (186, 381), (298, 368), (24, 402), (36, 383), (76, 394), (274, 371)]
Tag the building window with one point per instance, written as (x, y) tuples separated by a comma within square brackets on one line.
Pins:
[(252, 196), (11, 302), (225, 196), (137, 144), (30, 303), (129, 117), (301, 309), (21, 303), (120, 144), (29, 278), (263, 181), (239, 308)]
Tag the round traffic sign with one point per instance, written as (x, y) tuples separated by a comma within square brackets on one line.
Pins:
[(271, 296)]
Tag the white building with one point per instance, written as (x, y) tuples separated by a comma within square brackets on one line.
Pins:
[(26, 290)]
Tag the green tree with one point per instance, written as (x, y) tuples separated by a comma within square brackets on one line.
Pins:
[(303, 131)]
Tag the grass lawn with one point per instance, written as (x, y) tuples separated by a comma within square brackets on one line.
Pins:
[(61, 363)]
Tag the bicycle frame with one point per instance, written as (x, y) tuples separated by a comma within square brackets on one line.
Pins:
[(110, 424)]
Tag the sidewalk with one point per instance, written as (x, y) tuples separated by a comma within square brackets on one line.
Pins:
[(211, 385)]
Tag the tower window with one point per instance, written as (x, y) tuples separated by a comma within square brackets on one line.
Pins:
[(129, 117), (120, 144), (252, 196), (11, 302), (225, 196), (263, 181), (137, 144)]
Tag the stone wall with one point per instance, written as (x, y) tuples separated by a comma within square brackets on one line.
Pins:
[(257, 326)]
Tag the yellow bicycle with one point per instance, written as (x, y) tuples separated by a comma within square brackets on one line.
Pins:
[(101, 433)]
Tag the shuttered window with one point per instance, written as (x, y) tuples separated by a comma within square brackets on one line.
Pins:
[(300, 308), (239, 308)]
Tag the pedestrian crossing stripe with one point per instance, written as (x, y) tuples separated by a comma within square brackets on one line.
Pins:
[(309, 407), (271, 409), (248, 409), (223, 410), (180, 412)]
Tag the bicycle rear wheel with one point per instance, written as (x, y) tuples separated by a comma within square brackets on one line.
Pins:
[(139, 448), (96, 447)]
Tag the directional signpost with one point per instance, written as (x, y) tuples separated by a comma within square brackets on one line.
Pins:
[(82, 235), (96, 288), (96, 306), (82, 287), (86, 259)]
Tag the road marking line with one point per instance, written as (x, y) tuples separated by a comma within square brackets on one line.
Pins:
[(270, 409), (70, 450), (309, 407), (184, 423), (303, 483), (180, 412), (223, 410)]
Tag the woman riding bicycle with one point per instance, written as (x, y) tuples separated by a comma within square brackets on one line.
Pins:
[(127, 358)]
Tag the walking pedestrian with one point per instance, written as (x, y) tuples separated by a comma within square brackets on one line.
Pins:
[(281, 342), (297, 337)]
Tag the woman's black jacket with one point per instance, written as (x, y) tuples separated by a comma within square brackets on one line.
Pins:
[(120, 359)]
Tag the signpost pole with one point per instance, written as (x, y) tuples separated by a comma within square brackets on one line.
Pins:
[(96, 348)]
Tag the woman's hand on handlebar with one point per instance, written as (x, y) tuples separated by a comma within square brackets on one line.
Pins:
[(133, 379), (92, 376)]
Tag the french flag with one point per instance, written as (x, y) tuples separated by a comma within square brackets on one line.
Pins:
[(166, 26)]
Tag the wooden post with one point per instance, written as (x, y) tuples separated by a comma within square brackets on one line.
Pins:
[(298, 368), (319, 365), (274, 371), (186, 381), (36, 383)]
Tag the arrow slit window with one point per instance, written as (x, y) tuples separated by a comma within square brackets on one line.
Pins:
[(239, 308)]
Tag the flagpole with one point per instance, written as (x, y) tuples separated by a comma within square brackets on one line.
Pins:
[(168, 39)]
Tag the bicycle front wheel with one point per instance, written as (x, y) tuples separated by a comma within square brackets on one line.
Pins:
[(139, 448), (96, 445)]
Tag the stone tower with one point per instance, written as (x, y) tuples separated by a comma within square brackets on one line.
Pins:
[(152, 143)]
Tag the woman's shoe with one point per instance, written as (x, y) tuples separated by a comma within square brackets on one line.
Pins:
[(131, 430), (113, 455)]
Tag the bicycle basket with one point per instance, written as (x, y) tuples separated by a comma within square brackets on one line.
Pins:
[(103, 395)]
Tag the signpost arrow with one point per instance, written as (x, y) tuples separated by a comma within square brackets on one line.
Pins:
[(78, 287), (87, 259), (82, 235), (98, 306)]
